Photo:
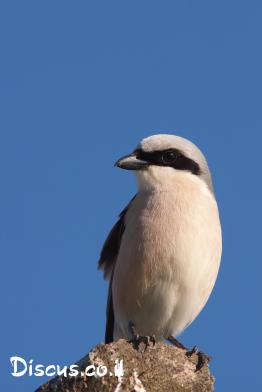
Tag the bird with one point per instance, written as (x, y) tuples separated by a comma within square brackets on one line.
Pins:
[(162, 256)]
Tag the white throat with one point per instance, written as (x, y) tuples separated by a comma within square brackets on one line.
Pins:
[(164, 179)]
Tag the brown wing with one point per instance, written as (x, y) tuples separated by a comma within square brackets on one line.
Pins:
[(106, 262)]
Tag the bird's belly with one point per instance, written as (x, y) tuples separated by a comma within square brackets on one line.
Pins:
[(166, 269)]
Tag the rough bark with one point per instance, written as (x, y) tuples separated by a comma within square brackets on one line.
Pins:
[(159, 368)]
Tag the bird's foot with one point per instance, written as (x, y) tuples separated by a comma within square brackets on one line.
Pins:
[(137, 339), (202, 357), (176, 343)]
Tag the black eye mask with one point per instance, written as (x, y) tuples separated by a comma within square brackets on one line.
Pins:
[(171, 157)]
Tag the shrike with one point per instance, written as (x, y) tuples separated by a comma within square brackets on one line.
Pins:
[(163, 254)]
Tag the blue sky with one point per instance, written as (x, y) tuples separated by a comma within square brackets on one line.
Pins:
[(80, 84)]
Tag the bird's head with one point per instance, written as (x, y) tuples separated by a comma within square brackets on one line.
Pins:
[(159, 159)]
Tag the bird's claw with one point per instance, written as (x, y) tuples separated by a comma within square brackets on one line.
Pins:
[(136, 339), (176, 343), (202, 357), (194, 350)]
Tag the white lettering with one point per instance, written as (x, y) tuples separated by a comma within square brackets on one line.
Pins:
[(14, 361), (48, 373), (89, 368), (39, 370), (101, 371), (73, 370), (62, 371)]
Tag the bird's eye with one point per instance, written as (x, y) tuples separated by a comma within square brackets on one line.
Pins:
[(169, 156)]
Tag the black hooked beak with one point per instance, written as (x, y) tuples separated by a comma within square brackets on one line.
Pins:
[(131, 162)]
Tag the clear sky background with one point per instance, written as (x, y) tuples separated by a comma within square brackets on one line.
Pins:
[(81, 83)]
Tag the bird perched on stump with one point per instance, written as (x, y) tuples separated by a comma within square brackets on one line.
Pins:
[(163, 254)]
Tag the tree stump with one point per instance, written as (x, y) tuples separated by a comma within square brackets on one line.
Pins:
[(158, 368)]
